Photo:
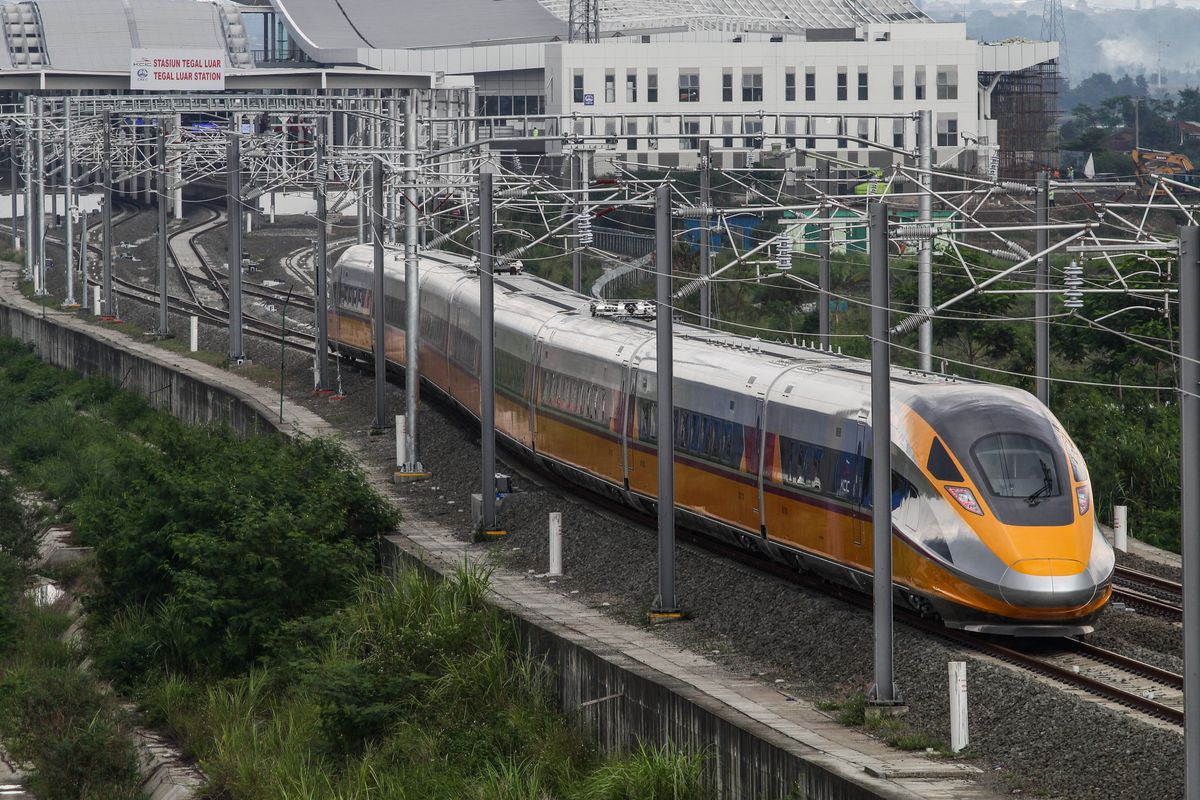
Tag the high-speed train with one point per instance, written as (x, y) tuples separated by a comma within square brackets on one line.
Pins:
[(994, 530)]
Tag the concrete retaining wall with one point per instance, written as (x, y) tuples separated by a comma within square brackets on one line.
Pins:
[(152, 375)]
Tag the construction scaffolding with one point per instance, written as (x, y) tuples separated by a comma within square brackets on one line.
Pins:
[(1025, 107)]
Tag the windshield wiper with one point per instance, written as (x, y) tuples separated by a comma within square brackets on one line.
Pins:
[(1047, 485)]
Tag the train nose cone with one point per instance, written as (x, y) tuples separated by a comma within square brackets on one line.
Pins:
[(1048, 583)]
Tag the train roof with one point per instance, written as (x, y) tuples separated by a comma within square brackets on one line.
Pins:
[(725, 355)]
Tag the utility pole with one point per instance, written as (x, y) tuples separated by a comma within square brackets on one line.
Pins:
[(576, 166), (39, 283), (322, 254), (1041, 300), (412, 292), (884, 693), (107, 221), (164, 323), (378, 300), (233, 188), (665, 606), (68, 179), (27, 168), (487, 352), (705, 255), (83, 256), (925, 254), (824, 235), (1189, 396)]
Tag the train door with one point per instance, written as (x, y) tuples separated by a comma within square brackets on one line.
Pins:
[(861, 522)]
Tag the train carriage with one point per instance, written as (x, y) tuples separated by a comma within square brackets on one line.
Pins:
[(992, 519)]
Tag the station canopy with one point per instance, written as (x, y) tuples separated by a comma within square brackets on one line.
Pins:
[(420, 24)]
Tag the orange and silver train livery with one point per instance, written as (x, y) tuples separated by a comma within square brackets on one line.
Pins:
[(994, 529)]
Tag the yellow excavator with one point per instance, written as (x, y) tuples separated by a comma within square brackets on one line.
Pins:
[(1175, 166)]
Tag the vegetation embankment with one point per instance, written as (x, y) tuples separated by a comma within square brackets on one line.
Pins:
[(233, 595)]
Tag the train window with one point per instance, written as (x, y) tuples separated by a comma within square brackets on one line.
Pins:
[(812, 468), (1016, 465), (731, 453), (646, 420), (901, 488), (941, 466)]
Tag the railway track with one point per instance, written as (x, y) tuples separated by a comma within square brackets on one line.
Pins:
[(1148, 592)]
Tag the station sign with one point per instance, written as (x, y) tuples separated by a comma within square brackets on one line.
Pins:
[(177, 69)]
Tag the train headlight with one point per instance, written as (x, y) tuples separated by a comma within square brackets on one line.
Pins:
[(1085, 499), (965, 498)]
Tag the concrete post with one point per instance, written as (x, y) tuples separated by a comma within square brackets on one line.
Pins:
[(884, 692), (1121, 528), (487, 364), (96, 300), (193, 333), (321, 261), (959, 734), (556, 567), (665, 606), (925, 254), (378, 301), (1189, 351), (164, 324), (107, 222), (412, 290), (705, 245), (824, 234), (401, 442), (1041, 300), (233, 188)]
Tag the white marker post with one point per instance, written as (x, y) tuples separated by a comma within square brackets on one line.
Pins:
[(401, 447), (555, 543), (958, 705), (193, 333), (96, 300), (1121, 528)]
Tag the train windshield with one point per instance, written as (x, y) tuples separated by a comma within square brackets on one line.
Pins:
[(1016, 465)]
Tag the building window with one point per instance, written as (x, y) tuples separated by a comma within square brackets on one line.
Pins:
[(631, 86), (753, 127), (898, 83), (862, 83), (842, 94), (752, 86), (578, 84), (947, 131), (727, 129), (789, 128), (690, 129), (810, 84), (898, 133), (919, 83), (689, 86), (631, 129), (789, 85), (947, 83), (651, 86), (864, 132), (841, 132), (610, 86), (727, 85)]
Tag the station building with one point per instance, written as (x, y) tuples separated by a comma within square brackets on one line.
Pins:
[(652, 77)]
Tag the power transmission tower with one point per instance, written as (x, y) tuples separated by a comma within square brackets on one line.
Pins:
[(1054, 29), (583, 24)]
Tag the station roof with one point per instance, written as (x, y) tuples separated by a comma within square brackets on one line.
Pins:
[(325, 28), (97, 35)]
